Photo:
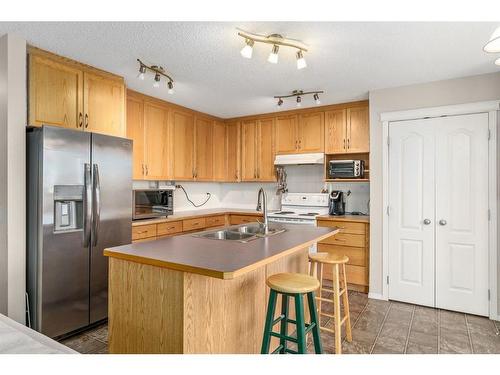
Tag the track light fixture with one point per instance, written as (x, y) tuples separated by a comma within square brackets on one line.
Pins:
[(298, 94), (158, 73), (276, 40)]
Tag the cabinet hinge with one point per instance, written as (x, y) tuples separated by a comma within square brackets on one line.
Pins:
[(489, 134), (387, 279)]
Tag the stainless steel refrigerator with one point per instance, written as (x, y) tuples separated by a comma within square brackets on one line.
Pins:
[(79, 203)]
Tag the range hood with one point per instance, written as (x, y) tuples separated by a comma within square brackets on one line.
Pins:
[(296, 159)]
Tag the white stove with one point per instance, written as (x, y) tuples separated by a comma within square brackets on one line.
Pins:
[(300, 208)]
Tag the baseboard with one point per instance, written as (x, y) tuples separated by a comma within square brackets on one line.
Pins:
[(376, 296)]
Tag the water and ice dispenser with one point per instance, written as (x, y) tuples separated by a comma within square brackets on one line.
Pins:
[(68, 208)]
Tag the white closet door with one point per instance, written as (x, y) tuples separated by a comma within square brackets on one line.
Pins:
[(462, 213), (411, 218)]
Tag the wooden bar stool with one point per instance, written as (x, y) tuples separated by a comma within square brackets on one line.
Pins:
[(291, 285), (337, 262)]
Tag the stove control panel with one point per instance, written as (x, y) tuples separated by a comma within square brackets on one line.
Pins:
[(305, 199)]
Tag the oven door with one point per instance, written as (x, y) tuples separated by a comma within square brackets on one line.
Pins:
[(152, 203)]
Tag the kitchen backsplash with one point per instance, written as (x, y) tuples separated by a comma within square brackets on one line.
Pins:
[(300, 178)]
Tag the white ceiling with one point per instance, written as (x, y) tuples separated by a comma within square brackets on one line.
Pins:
[(347, 60)]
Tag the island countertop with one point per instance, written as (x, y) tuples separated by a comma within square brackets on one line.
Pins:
[(218, 258)]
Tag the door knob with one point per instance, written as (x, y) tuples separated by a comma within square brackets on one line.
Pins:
[(442, 222), (427, 221)]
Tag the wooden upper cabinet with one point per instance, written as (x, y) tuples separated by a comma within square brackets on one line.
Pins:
[(183, 145), (219, 151), (335, 131), (69, 94), (358, 130), (203, 170), (156, 141), (286, 135), (135, 131), (311, 132), (55, 93), (265, 149), (104, 104), (233, 156), (249, 133)]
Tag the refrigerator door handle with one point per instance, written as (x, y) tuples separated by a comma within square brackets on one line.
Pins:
[(97, 204), (87, 205)]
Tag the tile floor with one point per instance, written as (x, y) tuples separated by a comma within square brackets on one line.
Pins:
[(378, 327)]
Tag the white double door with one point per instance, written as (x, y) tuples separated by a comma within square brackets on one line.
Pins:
[(438, 212)]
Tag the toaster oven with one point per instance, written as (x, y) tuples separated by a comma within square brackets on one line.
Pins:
[(346, 169)]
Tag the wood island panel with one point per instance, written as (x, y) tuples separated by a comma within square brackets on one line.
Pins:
[(157, 310)]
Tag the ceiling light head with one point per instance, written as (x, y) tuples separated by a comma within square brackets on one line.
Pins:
[(142, 72), (170, 86), (156, 83), (280, 102), (497, 61), (301, 62), (493, 45), (316, 99), (246, 51), (299, 101), (273, 56)]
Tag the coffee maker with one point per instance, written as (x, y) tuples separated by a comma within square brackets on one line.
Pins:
[(337, 203)]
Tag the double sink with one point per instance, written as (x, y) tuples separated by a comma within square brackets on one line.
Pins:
[(241, 233)]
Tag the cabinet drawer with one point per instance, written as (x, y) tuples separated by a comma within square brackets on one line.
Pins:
[(193, 224), (357, 255), (346, 239), (242, 219), (169, 228), (344, 226), (143, 231), (355, 274), (216, 221)]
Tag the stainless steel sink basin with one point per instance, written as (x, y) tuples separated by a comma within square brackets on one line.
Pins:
[(225, 235), (242, 233)]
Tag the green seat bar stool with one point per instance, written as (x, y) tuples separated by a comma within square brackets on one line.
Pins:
[(291, 285)]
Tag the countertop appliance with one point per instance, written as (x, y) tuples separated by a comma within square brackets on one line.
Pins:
[(79, 202), (151, 203), (300, 208), (346, 169), (337, 203)]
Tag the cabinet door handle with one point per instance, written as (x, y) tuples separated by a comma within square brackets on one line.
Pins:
[(143, 173), (348, 143), (86, 120), (300, 144), (80, 120), (344, 143), (147, 170)]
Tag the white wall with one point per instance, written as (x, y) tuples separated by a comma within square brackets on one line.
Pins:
[(12, 177), (454, 91), (301, 179)]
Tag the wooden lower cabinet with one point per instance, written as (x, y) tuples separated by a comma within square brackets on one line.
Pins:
[(243, 219), (143, 231), (169, 228), (353, 241), (215, 221)]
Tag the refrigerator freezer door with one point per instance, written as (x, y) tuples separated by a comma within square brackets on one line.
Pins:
[(112, 212), (63, 260)]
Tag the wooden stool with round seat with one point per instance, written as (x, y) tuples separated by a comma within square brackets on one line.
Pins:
[(337, 262), (291, 285)]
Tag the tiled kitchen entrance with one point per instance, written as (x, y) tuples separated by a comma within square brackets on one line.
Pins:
[(379, 327)]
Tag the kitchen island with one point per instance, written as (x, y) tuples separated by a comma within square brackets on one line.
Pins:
[(189, 294)]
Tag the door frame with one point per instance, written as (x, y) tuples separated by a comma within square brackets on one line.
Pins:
[(493, 110)]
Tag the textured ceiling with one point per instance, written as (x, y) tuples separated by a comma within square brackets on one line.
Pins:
[(346, 59)]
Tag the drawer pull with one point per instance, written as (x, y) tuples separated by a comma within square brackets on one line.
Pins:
[(338, 239)]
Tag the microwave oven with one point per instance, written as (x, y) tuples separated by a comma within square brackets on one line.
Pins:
[(346, 169), (151, 203)]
